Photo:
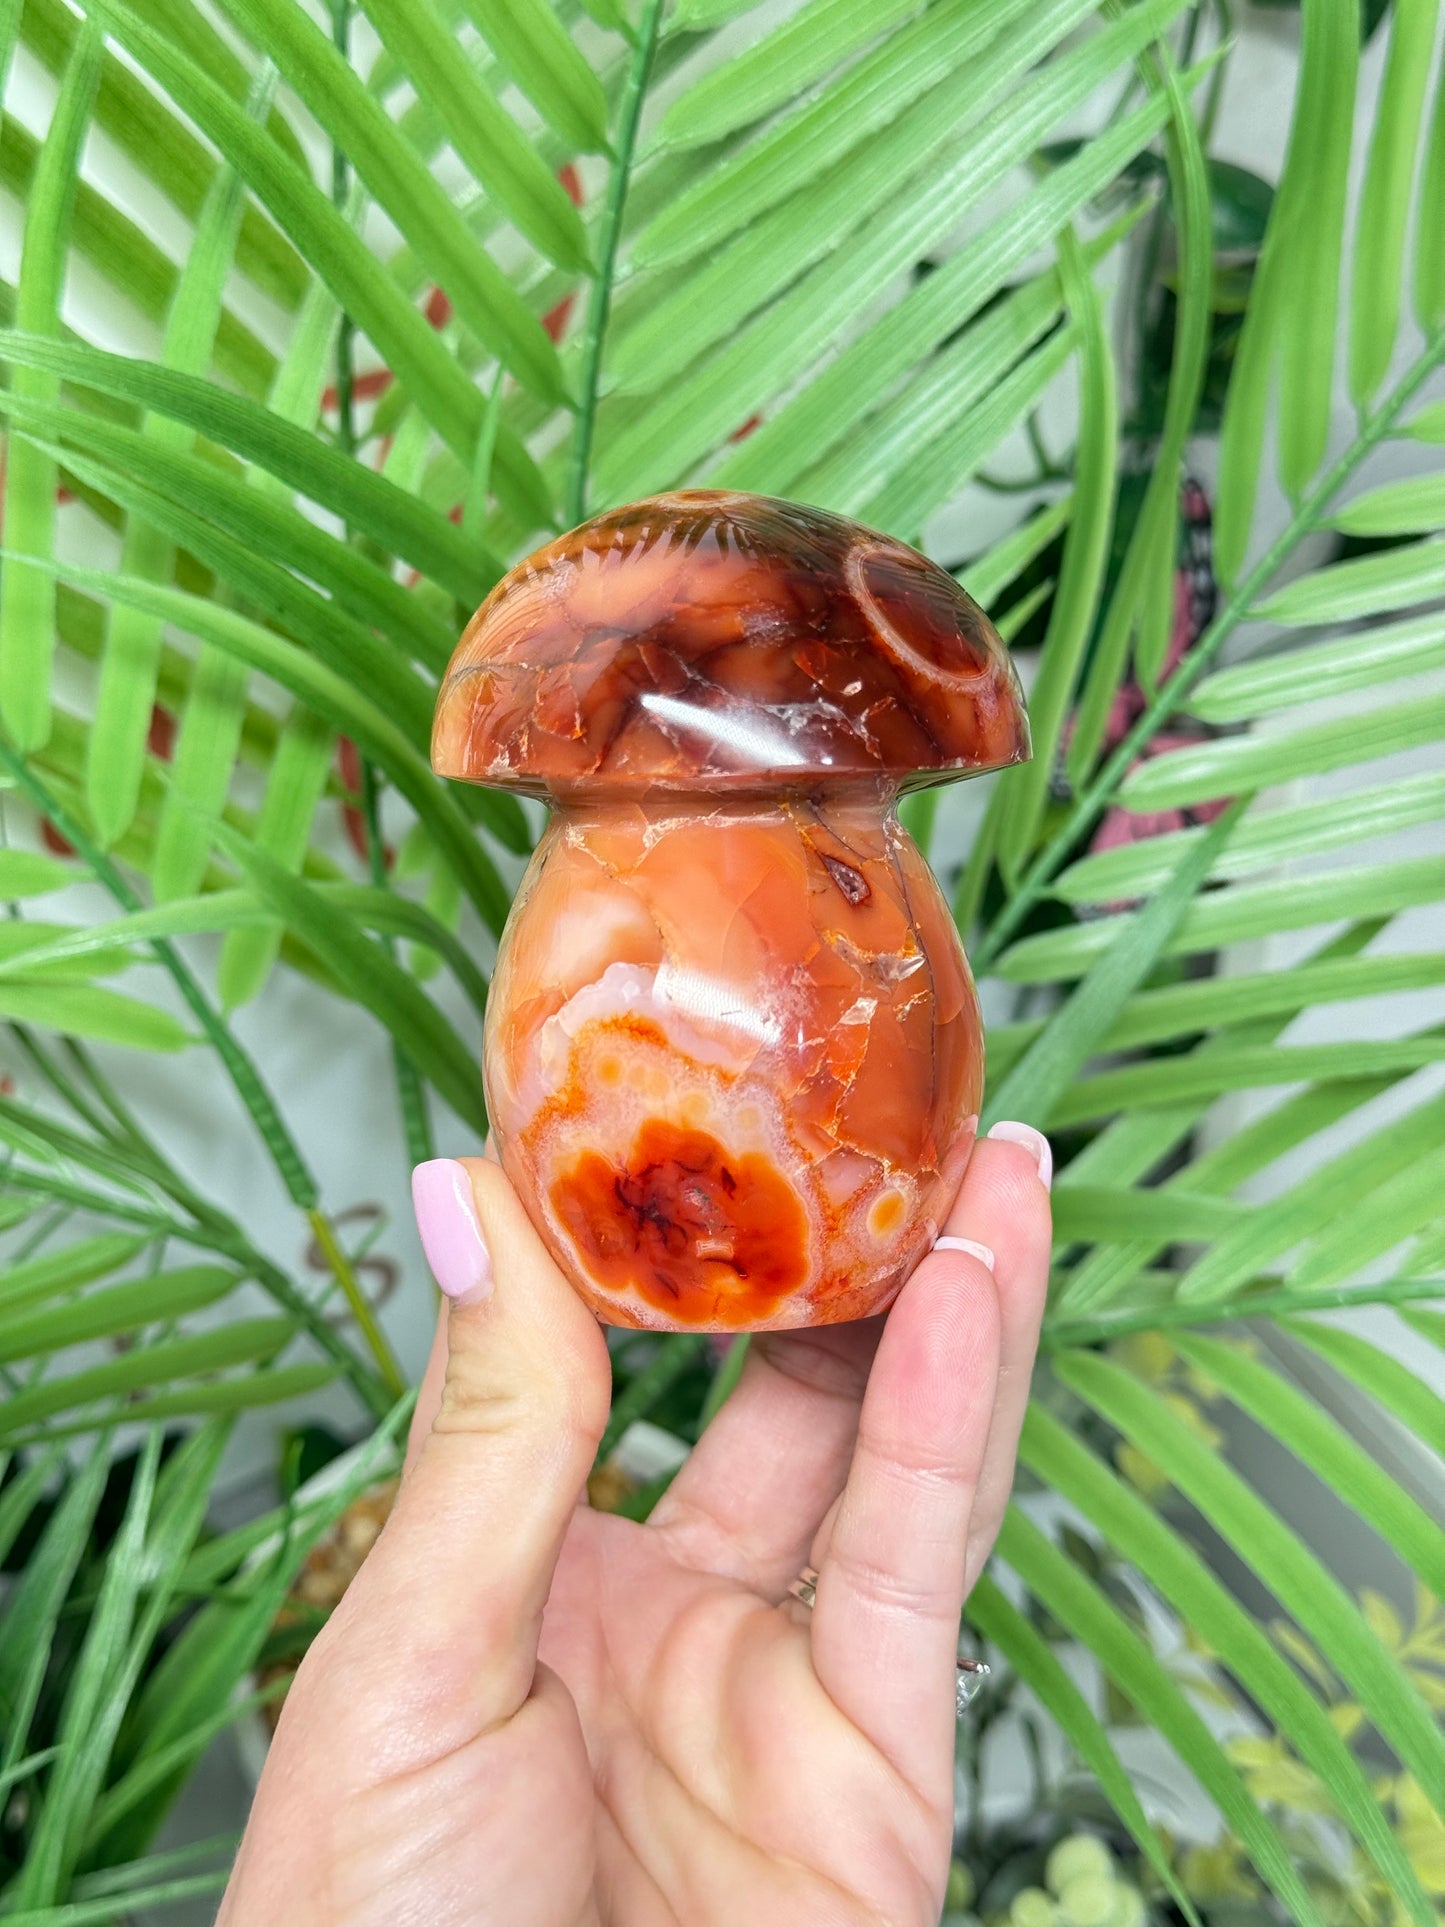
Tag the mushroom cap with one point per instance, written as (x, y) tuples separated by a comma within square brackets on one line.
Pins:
[(713, 640)]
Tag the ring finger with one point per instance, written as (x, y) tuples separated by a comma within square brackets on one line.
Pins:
[(885, 1624)]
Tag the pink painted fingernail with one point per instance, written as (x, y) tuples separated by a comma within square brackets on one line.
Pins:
[(1034, 1142), (451, 1236), (981, 1252)]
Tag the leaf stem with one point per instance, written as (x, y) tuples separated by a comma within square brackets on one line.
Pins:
[(724, 1380), (214, 1231), (1072, 1333), (410, 1097), (56, 1078), (285, 1152), (674, 1356), (340, 187), (123, 1119), (357, 1302), (1096, 796), (45, 1184), (410, 1100), (94, 1913), (1218, 74), (599, 299)]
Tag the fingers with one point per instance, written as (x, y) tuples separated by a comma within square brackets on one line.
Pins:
[(885, 1625), (1007, 1209), (934, 1458), (748, 1500), (774, 1460), (429, 1392), (442, 1622)]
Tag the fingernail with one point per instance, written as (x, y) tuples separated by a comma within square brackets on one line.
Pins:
[(451, 1237), (1034, 1142), (981, 1252)]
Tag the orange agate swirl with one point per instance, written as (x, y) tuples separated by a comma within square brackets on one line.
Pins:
[(739, 1061), (733, 1054)]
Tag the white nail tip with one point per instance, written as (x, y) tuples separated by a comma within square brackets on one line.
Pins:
[(981, 1252), (1034, 1142)]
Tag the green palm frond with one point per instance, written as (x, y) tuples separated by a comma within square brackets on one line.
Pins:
[(843, 256)]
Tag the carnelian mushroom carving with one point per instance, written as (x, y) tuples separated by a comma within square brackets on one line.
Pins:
[(733, 1053)]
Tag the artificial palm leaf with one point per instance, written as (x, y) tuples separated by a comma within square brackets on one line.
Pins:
[(27, 596), (1180, 1575), (283, 827), (847, 254), (45, 1870), (131, 660), (160, 144), (1322, 1608), (33, 1608)]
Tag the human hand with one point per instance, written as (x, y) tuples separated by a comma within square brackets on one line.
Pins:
[(530, 1713)]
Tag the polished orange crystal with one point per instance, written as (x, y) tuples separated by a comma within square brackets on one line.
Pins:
[(708, 641), (696, 1232), (733, 1057)]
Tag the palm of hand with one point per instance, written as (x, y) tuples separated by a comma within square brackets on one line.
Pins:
[(524, 1712), (727, 1784)]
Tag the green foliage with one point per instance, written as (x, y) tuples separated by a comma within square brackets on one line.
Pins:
[(862, 237)]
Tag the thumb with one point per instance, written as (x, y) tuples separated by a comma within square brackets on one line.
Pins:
[(450, 1600)]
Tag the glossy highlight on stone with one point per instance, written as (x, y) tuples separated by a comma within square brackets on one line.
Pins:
[(709, 640), (733, 1055)]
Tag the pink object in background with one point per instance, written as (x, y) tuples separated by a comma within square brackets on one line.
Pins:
[(1194, 602)]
